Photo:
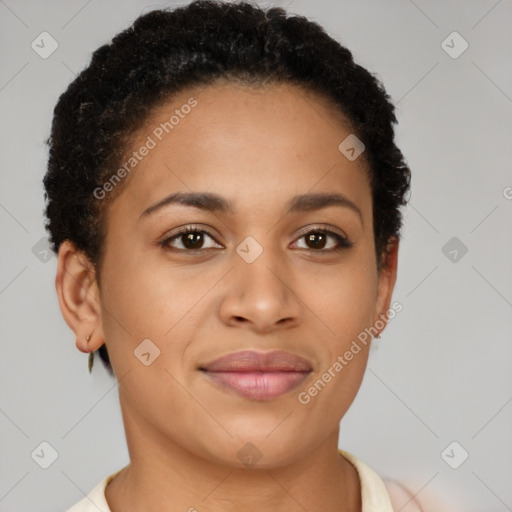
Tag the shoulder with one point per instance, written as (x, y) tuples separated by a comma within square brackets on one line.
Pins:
[(95, 499), (401, 497), (441, 499)]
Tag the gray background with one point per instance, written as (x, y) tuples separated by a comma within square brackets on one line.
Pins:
[(442, 371)]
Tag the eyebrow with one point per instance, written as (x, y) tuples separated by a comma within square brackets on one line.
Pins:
[(214, 203)]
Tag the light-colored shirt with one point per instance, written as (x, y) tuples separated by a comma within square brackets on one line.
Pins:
[(374, 495)]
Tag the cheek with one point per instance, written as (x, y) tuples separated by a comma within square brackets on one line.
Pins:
[(347, 310), (143, 301), (343, 298), (344, 301)]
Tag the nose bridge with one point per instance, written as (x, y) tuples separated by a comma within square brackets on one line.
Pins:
[(258, 291), (261, 264)]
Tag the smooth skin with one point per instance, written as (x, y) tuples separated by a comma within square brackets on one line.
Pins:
[(257, 147)]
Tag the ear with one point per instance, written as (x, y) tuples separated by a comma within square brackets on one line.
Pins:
[(387, 279), (78, 294)]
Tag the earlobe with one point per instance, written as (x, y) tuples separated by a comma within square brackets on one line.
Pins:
[(387, 279), (78, 295)]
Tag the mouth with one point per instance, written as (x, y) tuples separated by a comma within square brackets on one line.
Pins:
[(256, 375)]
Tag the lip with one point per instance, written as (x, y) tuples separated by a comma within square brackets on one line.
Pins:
[(257, 375), (250, 361)]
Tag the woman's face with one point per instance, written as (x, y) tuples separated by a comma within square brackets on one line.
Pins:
[(251, 280)]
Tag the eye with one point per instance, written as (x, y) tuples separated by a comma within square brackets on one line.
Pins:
[(316, 240), (190, 237)]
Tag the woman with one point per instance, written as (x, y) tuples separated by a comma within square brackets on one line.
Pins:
[(224, 193)]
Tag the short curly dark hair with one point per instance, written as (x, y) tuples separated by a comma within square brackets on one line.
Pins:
[(166, 51)]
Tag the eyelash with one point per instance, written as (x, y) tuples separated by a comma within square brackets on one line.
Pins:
[(343, 243)]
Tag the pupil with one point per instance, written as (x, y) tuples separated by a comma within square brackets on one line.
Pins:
[(192, 238), (313, 235)]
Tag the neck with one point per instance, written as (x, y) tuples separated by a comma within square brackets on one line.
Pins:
[(166, 476)]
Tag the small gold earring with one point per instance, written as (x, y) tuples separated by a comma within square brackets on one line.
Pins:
[(91, 361), (91, 355)]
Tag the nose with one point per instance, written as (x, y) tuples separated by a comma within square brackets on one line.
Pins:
[(260, 295)]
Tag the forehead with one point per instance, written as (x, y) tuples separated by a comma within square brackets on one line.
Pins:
[(256, 146)]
